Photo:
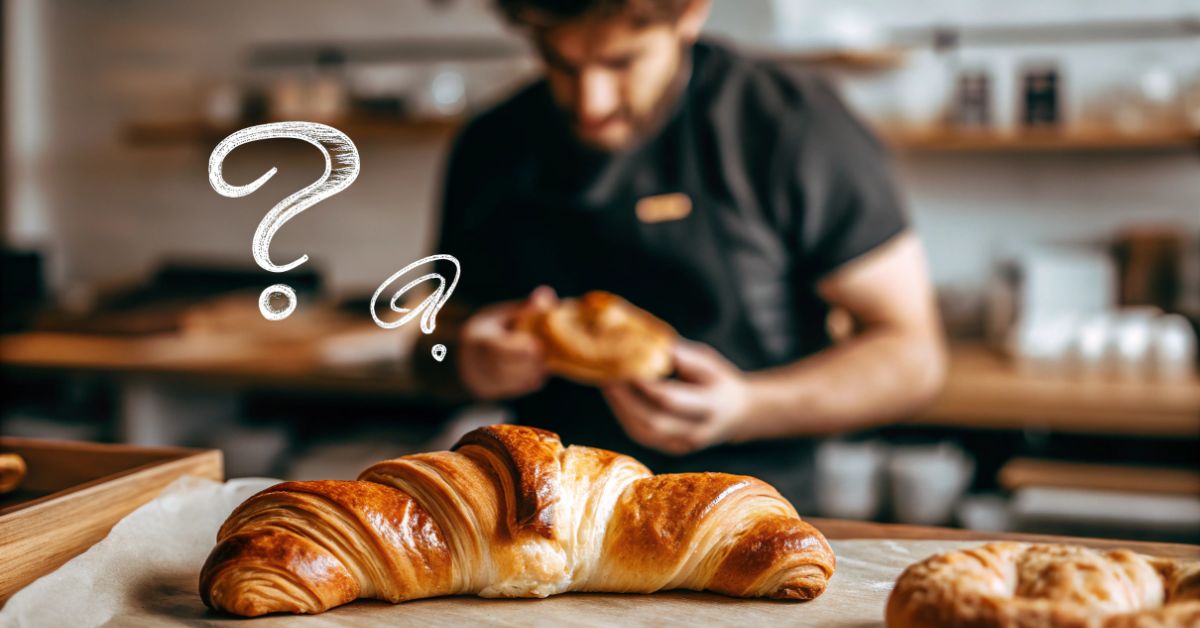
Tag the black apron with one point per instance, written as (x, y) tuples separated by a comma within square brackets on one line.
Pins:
[(686, 271)]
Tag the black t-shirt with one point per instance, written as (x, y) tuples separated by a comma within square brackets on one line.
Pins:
[(786, 186)]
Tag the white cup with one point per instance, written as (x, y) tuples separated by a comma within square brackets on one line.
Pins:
[(927, 482), (1173, 347), (1132, 336), (850, 479)]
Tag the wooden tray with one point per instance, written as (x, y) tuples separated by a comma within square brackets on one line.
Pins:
[(75, 492)]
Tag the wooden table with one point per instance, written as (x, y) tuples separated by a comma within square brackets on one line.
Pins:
[(855, 597), (845, 529)]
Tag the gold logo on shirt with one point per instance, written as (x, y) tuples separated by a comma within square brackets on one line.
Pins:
[(664, 207)]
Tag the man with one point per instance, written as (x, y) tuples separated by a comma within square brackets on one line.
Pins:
[(788, 211)]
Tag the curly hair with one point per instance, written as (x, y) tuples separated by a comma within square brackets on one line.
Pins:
[(550, 12)]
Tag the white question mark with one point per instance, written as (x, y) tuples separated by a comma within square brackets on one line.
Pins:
[(336, 178), (429, 307)]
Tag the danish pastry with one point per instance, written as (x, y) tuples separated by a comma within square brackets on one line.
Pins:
[(1019, 585)]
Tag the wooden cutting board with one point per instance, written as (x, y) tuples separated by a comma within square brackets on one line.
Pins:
[(73, 494)]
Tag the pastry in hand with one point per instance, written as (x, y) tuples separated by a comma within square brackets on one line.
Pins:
[(1019, 584), (12, 471), (510, 512), (601, 337)]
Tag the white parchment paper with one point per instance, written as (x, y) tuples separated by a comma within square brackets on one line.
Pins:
[(145, 573), (166, 538)]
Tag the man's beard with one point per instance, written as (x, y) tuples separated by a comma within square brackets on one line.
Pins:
[(641, 126)]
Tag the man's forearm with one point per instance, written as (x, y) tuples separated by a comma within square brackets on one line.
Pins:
[(879, 376)]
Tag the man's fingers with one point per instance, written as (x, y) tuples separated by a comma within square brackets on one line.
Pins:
[(640, 418), (674, 397), (527, 379), (697, 362), (625, 404), (542, 298), (495, 319), (514, 345)]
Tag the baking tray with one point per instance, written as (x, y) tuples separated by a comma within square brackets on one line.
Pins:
[(73, 494)]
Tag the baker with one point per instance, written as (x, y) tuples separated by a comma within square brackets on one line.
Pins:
[(734, 198)]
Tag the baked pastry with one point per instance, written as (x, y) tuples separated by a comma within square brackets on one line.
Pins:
[(510, 512), (1018, 584), (601, 337), (12, 471)]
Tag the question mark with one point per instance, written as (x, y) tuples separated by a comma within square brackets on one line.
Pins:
[(336, 178), (427, 308)]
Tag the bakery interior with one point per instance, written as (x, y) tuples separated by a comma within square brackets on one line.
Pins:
[(1048, 154)]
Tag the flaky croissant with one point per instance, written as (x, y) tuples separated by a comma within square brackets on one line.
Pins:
[(510, 512)]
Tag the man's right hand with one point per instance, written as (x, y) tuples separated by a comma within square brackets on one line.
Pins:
[(497, 361)]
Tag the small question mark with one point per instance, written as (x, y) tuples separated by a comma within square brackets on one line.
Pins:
[(334, 145), (427, 308)]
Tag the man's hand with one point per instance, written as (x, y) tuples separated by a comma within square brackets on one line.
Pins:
[(705, 406), (495, 360)]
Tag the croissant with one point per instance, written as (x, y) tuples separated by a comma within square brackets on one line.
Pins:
[(601, 337), (510, 512)]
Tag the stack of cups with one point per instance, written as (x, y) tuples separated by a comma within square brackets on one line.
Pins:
[(925, 482)]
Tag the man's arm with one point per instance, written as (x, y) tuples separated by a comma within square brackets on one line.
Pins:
[(843, 212), (894, 366)]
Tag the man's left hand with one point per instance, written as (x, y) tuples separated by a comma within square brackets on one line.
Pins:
[(707, 405)]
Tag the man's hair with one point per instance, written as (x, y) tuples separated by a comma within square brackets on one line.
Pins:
[(540, 13)]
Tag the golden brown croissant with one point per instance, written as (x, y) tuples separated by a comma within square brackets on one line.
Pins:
[(1017, 584), (510, 512), (601, 337)]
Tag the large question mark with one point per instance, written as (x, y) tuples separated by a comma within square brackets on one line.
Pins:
[(334, 145), (427, 308)]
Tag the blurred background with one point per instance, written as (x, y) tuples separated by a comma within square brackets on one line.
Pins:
[(1049, 152)]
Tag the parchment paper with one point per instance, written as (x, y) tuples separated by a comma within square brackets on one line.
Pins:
[(145, 574)]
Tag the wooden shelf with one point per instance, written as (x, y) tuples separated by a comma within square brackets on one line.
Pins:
[(435, 50), (405, 50), (184, 131), (846, 59), (987, 391), (1099, 140), (361, 128), (1022, 472)]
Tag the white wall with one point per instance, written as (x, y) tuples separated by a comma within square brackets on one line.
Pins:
[(113, 210)]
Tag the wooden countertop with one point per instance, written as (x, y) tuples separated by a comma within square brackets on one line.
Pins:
[(287, 364), (845, 529), (983, 390)]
